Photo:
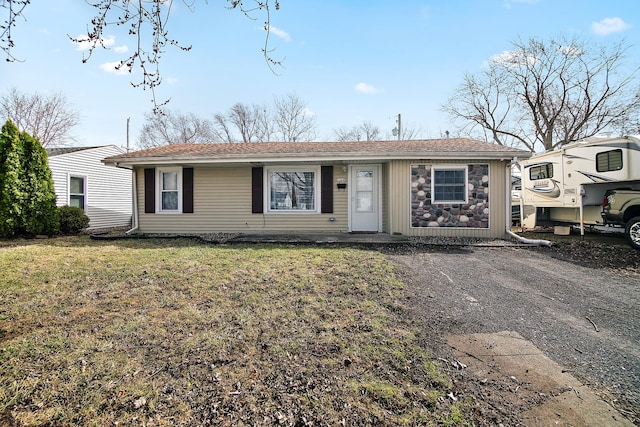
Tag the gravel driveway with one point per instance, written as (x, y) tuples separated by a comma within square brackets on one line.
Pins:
[(585, 319)]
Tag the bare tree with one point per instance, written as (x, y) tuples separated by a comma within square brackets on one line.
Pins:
[(345, 135), (175, 128), (292, 120), (409, 132), (222, 128), (249, 120), (265, 123), (48, 118), (146, 22), (243, 123), (631, 123), (365, 131), (288, 120), (548, 93)]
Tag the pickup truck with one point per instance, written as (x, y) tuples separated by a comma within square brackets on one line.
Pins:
[(622, 208)]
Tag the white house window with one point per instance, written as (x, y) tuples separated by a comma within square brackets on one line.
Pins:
[(449, 185), (169, 186), (292, 190), (77, 188)]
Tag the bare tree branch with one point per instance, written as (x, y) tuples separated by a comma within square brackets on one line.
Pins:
[(548, 93), (15, 9), (247, 120), (365, 131), (288, 120), (221, 129), (147, 23), (292, 120), (175, 128), (48, 118)]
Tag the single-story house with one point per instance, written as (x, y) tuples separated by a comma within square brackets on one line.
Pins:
[(81, 179), (438, 187)]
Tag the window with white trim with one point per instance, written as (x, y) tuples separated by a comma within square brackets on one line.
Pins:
[(169, 190), (449, 185), (292, 190), (77, 191)]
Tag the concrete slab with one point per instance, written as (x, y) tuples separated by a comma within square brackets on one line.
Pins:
[(547, 394)]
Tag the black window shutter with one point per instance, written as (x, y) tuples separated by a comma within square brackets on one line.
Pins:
[(150, 190), (257, 194), (326, 189), (187, 190)]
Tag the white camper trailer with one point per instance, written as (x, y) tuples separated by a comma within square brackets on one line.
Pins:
[(567, 185)]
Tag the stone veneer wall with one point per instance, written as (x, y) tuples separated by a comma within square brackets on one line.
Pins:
[(472, 214)]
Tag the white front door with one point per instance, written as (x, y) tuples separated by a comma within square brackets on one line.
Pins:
[(364, 192)]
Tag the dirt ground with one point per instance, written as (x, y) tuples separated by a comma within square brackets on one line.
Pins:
[(575, 303)]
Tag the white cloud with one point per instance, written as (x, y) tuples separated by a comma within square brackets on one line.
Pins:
[(366, 88), (513, 58), (608, 26), (84, 43), (308, 113), (112, 67), (172, 80), (280, 33), (121, 49)]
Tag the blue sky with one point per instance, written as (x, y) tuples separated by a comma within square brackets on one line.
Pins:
[(350, 61)]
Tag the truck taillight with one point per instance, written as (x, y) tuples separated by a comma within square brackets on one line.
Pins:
[(604, 202)]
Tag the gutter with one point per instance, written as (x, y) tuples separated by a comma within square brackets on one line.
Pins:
[(537, 242), (128, 162)]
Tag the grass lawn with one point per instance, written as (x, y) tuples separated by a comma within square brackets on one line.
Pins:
[(177, 332)]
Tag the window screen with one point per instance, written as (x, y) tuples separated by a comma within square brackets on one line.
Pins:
[(541, 172), (609, 161)]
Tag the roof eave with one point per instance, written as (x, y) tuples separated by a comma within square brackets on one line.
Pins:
[(323, 157)]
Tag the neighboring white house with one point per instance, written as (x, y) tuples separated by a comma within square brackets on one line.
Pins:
[(81, 179)]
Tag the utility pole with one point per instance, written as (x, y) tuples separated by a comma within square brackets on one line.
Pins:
[(128, 134), (397, 131)]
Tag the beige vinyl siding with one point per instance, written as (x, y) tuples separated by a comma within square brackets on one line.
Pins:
[(222, 203), (107, 189), (400, 201), (384, 183)]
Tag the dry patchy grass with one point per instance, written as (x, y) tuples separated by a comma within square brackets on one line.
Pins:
[(175, 332)]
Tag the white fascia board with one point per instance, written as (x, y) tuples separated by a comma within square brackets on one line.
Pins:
[(325, 157)]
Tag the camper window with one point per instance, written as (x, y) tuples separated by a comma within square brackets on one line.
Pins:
[(541, 172), (608, 161)]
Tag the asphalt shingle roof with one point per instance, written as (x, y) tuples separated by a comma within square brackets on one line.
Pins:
[(57, 151), (449, 147)]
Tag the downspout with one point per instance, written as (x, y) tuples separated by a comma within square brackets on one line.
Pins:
[(581, 195), (538, 242), (134, 192)]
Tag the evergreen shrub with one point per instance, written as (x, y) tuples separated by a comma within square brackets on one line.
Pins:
[(72, 219)]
